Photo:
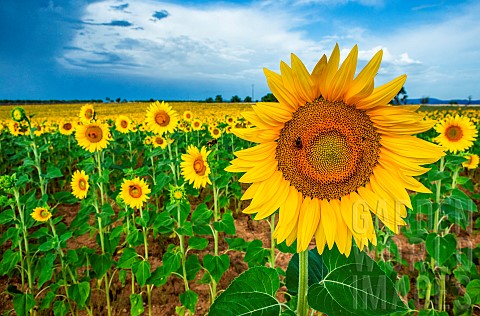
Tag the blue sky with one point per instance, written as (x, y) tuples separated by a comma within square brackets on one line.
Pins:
[(191, 50)]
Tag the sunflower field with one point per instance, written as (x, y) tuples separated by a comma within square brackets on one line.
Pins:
[(330, 202)]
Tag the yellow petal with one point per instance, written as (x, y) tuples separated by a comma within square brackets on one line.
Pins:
[(307, 222), (343, 77), (302, 79), (329, 222), (383, 94), (362, 86)]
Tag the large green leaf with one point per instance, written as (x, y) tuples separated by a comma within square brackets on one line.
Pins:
[(441, 247), (316, 270), (251, 293), (353, 286)]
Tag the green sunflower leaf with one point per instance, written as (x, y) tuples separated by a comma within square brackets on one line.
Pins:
[(226, 225), (136, 304), (353, 286), (316, 270), (441, 247), (216, 265), (251, 293)]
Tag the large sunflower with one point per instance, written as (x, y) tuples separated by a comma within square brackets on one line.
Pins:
[(93, 136), (456, 133), (331, 152), (80, 184), (195, 168), (134, 192), (161, 118)]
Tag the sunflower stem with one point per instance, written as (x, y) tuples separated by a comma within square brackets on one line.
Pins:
[(302, 307), (438, 196), (272, 241), (182, 250)]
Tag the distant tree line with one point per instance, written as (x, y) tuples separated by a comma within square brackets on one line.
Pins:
[(218, 99)]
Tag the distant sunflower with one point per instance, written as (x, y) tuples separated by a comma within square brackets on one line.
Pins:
[(196, 124), (472, 161), (123, 124), (331, 152), (188, 116), (39, 130), (230, 121), (161, 118), (195, 168), (159, 141), (216, 132), (80, 184), (456, 133), (18, 114), (87, 113), (92, 137), (41, 214), (134, 192), (66, 128)]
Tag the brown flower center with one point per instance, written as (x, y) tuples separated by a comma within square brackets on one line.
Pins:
[(82, 184), (124, 124), (162, 118), (159, 140), (44, 213), (454, 133), (89, 114), (94, 134), (135, 191), (328, 149), (67, 126), (199, 166)]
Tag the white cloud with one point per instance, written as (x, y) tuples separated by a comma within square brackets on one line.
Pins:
[(209, 42), (234, 42)]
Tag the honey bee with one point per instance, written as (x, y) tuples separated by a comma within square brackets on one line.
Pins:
[(212, 142), (298, 143)]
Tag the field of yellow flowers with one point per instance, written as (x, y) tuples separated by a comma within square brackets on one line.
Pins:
[(136, 208)]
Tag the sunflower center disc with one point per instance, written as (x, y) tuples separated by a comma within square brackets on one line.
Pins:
[(89, 114), (199, 167), (454, 133), (162, 118), (82, 184), (124, 124), (44, 213), (135, 191), (159, 140), (67, 126), (94, 134), (328, 149)]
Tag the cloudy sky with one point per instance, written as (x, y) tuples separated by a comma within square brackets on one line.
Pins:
[(191, 50)]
